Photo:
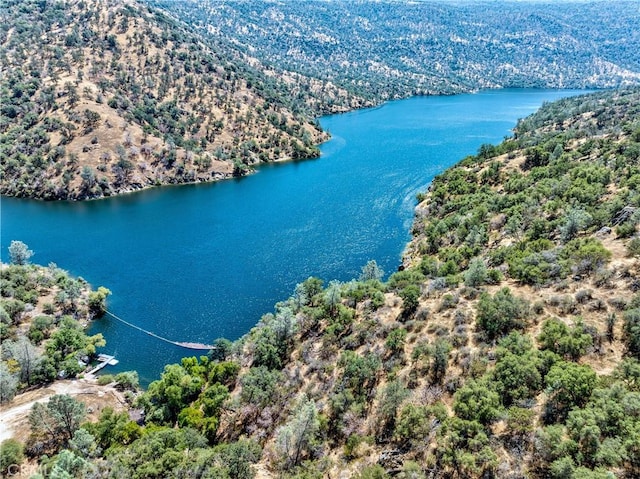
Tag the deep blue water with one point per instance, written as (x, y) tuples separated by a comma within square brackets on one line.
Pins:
[(197, 262)]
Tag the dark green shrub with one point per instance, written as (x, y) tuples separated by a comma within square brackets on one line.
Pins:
[(501, 313), (570, 343), (410, 295), (632, 331), (11, 454)]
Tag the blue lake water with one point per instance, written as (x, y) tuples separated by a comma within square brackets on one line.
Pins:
[(197, 262)]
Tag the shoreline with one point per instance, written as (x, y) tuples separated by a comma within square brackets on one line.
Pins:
[(218, 176)]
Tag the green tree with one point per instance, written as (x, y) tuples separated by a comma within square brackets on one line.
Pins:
[(113, 429), (68, 465), (267, 351), (69, 342), (395, 341), (440, 359), (165, 398), (633, 248), (26, 355), (628, 371), (570, 343), (88, 177), (84, 444), (127, 380), (11, 454), (98, 301), (574, 221), (13, 308), (568, 385), (67, 413), (58, 419), (222, 348), (464, 449), (371, 271), (410, 295), (311, 288), (391, 398), (535, 157), (501, 313), (164, 452), (19, 253), (551, 444), (585, 255), (415, 423), (297, 437), (333, 296), (359, 373), (260, 386), (284, 323), (562, 468), (238, 458), (8, 383), (475, 401), (477, 273), (631, 329), (517, 376), (520, 423)]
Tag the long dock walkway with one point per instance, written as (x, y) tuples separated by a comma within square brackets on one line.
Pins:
[(185, 344)]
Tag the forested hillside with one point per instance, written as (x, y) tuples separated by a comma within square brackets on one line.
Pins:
[(390, 49), (100, 97), (507, 346)]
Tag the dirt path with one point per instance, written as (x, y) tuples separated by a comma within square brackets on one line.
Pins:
[(14, 417)]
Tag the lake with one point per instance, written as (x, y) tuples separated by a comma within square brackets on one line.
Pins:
[(198, 262)]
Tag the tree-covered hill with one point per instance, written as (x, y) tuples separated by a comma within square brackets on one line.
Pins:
[(100, 97), (507, 346), (389, 49)]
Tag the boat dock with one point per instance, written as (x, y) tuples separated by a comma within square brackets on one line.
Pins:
[(104, 360)]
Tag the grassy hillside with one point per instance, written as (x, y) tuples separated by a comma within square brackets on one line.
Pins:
[(101, 97), (508, 346)]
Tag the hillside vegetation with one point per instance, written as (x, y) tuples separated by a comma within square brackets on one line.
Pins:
[(43, 315), (390, 49), (100, 97), (508, 346)]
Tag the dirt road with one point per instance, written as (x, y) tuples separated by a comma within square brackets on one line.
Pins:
[(14, 416)]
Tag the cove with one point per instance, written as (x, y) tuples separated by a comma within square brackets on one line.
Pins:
[(197, 262)]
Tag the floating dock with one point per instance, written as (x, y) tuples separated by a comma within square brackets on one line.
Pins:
[(104, 360)]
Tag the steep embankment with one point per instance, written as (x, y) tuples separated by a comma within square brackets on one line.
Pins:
[(510, 342), (102, 97)]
